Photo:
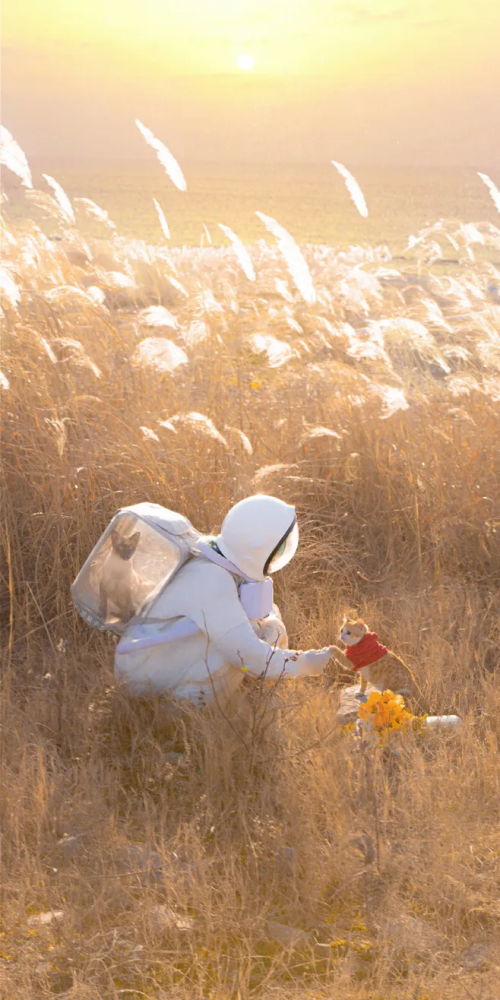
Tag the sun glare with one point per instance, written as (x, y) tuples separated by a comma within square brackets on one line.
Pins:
[(246, 62)]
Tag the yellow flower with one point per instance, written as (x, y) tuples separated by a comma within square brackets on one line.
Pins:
[(383, 713)]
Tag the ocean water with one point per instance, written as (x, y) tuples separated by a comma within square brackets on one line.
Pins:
[(312, 202)]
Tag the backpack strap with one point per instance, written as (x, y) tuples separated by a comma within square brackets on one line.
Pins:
[(214, 555)]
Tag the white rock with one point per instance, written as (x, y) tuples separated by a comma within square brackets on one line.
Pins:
[(349, 703)]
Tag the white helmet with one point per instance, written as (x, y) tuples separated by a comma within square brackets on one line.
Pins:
[(259, 535)]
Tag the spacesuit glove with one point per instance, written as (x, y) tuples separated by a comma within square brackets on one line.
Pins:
[(309, 663)]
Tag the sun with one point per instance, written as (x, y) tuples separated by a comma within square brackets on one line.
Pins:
[(246, 62)]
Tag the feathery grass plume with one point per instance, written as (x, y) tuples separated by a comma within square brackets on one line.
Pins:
[(368, 350), (293, 256), (453, 241), (149, 434), (64, 292), (12, 157), (471, 233), (352, 297), (494, 192), (319, 432), (116, 280), (46, 347), (392, 399), (434, 315), (60, 433), (353, 188), (177, 285), (96, 294), (160, 354), (77, 355), (157, 316), (463, 385), (94, 211), (200, 422), (243, 439), (208, 302), (491, 387), (282, 289), (4, 382), (196, 332), (489, 353), (207, 234), (8, 288), (399, 330), (278, 351), (266, 471), (163, 222), (241, 251), (47, 204), (61, 198), (457, 353), (165, 157), (168, 425)]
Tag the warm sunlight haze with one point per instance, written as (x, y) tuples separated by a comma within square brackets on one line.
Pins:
[(246, 62), (370, 72)]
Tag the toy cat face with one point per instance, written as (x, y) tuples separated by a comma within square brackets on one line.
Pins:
[(352, 632), (124, 547)]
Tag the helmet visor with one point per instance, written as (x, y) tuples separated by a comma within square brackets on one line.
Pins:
[(284, 551)]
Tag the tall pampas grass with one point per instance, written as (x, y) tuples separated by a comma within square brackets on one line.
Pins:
[(278, 352), (163, 222), (492, 188), (255, 853), (241, 252), (165, 157), (242, 438), (353, 188), (61, 198), (157, 316), (202, 424), (293, 256), (48, 205), (94, 211), (12, 157), (8, 288), (160, 354)]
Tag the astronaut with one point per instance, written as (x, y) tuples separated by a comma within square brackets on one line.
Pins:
[(215, 621)]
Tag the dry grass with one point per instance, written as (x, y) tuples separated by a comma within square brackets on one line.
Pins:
[(386, 435)]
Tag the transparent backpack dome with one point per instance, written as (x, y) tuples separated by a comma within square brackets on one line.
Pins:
[(133, 560)]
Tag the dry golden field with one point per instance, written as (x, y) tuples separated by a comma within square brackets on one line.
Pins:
[(174, 858)]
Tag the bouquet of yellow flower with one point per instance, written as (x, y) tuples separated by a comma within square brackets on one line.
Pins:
[(383, 714)]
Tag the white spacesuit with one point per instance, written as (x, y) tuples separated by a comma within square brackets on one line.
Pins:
[(215, 621)]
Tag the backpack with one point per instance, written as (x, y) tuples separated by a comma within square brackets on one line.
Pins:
[(137, 555)]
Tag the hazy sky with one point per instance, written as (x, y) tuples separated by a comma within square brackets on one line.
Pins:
[(374, 81)]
